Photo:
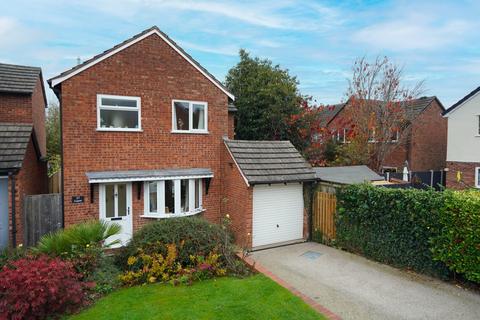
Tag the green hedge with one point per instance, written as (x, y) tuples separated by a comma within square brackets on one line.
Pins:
[(458, 243), (392, 226)]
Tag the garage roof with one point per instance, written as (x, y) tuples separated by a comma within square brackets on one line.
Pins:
[(14, 140), (347, 174), (263, 162), (147, 175)]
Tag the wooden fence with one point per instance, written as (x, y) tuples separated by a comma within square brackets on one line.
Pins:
[(324, 207), (54, 183), (42, 214)]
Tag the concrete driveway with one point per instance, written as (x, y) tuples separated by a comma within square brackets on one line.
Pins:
[(353, 287)]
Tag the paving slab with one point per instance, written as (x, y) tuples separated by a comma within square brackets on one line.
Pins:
[(354, 287)]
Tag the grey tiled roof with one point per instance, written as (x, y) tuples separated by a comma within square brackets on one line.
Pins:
[(232, 108), (269, 161), (330, 112), (14, 140), (141, 175), (346, 174), (416, 106), (18, 79)]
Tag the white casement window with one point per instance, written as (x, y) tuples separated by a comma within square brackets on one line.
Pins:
[(478, 125), (477, 177), (189, 116), (371, 135), (172, 198), (394, 136), (341, 135), (118, 113)]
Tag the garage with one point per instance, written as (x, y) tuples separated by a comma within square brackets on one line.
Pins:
[(268, 204), (277, 214)]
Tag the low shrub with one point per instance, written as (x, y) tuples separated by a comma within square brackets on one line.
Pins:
[(191, 236), (156, 267), (40, 287), (81, 243), (458, 242), (392, 226), (9, 255), (105, 276)]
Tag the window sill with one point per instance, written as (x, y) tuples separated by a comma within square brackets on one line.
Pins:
[(118, 130), (173, 215), (190, 132)]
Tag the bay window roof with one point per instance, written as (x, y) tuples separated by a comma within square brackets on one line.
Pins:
[(148, 175)]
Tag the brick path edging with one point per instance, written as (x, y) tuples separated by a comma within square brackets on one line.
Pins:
[(315, 305)]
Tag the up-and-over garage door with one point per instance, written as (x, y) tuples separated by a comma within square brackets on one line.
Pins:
[(277, 214)]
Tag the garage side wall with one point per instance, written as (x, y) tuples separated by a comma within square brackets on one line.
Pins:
[(237, 201)]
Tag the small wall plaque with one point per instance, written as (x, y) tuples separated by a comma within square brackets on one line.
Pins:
[(77, 199)]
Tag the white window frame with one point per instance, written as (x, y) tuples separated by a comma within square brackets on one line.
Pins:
[(478, 126), (477, 177), (100, 107), (161, 199), (397, 136), (190, 117)]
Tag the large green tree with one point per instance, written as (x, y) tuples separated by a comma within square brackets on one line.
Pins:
[(266, 97), (54, 147)]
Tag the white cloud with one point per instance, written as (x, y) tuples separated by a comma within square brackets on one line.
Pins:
[(228, 50), (413, 32)]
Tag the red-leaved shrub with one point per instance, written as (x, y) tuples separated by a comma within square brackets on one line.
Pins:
[(39, 287)]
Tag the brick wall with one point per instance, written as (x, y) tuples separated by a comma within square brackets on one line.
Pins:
[(31, 179), (153, 71), (231, 125), (237, 202), (26, 108), (429, 140), (467, 173)]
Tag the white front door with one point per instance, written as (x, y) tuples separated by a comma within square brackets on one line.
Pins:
[(277, 214), (116, 207)]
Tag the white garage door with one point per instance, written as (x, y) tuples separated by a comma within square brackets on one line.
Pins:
[(277, 213)]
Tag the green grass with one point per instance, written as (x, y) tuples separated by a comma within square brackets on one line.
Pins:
[(255, 297)]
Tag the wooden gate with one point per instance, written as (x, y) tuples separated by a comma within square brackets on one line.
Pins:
[(324, 207), (42, 214)]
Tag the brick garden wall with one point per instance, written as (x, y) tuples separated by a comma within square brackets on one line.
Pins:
[(152, 70)]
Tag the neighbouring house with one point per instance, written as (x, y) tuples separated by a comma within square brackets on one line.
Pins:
[(23, 166), (424, 149), (330, 178), (145, 131), (463, 147)]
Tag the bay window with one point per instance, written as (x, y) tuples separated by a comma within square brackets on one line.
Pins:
[(118, 113), (178, 197), (189, 116)]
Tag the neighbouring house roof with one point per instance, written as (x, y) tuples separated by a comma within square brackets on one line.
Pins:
[(346, 174), (232, 108), (329, 113), (148, 175), (18, 79), (14, 140), (264, 162), (413, 109), (125, 44), (461, 101)]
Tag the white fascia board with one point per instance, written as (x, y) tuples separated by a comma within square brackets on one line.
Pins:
[(112, 180), (459, 106), (56, 81), (238, 167)]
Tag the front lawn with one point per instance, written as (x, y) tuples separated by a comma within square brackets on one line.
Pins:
[(255, 297)]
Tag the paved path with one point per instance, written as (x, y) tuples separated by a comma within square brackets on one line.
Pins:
[(356, 288)]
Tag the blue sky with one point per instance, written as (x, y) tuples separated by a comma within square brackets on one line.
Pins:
[(318, 41)]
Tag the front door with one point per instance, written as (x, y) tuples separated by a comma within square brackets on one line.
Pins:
[(116, 207), (3, 212)]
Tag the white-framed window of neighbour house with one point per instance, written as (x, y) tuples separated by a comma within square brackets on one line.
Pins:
[(371, 135), (477, 177), (341, 135), (189, 116), (118, 113), (478, 125), (172, 198), (395, 135)]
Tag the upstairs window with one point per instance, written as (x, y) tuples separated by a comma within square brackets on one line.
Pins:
[(189, 116), (478, 125), (394, 136), (118, 113)]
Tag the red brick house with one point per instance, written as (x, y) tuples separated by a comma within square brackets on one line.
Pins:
[(144, 131), (463, 148), (425, 147), (23, 168)]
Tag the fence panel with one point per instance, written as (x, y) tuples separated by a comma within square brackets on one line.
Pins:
[(324, 208), (42, 214)]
